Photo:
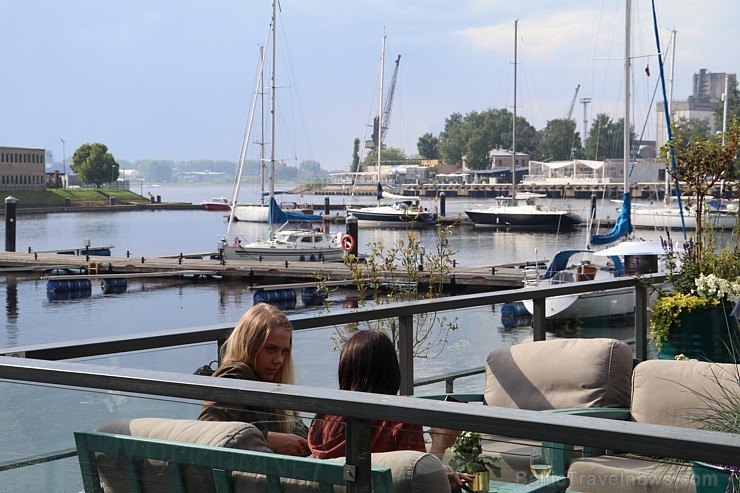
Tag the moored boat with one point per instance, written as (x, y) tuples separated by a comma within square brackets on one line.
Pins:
[(217, 204)]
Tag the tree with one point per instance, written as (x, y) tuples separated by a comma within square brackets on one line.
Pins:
[(701, 163), (733, 104), (355, 167), (388, 156), (428, 146), (157, 171), (559, 141), (94, 164), (605, 138), (692, 128)]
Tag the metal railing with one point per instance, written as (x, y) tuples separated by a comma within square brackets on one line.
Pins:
[(361, 408), (404, 312)]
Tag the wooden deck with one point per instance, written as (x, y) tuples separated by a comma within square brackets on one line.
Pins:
[(479, 278)]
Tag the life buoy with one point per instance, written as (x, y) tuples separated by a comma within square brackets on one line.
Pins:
[(347, 242)]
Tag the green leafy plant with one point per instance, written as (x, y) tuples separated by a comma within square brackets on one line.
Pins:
[(468, 455), (404, 272)]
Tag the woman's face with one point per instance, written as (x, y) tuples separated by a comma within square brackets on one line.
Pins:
[(272, 356)]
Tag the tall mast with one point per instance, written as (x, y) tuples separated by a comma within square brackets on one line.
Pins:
[(627, 65), (272, 118), (379, 144), (513, 126), (261, 85)]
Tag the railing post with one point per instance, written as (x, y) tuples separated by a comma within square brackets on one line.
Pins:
[(538, 319), (406, 353), (641, 322), (358, 462)]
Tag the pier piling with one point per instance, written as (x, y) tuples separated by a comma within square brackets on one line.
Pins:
[(11, 205)]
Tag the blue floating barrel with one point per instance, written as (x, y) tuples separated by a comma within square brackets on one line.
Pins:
[(514, 315), (68, 295), (313, 296), (69, 285), (262, 296), (114, 286)]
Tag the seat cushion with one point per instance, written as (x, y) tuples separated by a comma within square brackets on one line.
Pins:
[(560, 373), (630, 474), (679, 393), (413, 472)]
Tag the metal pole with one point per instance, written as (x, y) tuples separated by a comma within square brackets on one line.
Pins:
[(406, 353), (11, 204), (64, 163)]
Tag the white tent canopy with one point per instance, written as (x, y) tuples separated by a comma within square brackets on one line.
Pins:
[(562, 164)]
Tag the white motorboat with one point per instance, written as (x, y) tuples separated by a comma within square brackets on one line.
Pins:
[(521, 210)]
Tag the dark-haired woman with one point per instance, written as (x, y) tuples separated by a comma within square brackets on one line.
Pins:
[(368, 363)]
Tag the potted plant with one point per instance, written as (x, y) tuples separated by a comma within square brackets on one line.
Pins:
[(692, 315), (468, 458)]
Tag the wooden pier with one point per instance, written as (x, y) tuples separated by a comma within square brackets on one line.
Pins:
[(255, 273)]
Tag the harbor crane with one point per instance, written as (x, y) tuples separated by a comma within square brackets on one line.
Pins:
[(573, 103), (387, 106)]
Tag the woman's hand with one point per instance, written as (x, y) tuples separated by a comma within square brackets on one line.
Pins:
[(457, 478), (442, 439), (287, 444)]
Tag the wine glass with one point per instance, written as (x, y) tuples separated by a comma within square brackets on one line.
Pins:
[(540, 462)]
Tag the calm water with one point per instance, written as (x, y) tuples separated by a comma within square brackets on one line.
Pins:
[(31, 317)]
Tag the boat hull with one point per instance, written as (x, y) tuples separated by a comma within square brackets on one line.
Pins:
[(669, 218), (501, 218), (388, 216), (588, 305), (252, 213), (282, 253)]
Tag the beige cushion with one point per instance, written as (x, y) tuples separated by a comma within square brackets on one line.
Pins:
[(628, 473), (413, 472), (667, 392), (561, 373)]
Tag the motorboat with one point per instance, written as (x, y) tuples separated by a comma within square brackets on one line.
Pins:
[(217, 204)]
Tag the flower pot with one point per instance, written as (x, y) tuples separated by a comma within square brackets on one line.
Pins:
[(709, 478), (704, 334), (481, 482)]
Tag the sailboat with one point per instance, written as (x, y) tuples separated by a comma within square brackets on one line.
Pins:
[(639, 256), (270, 211), (404, 211), (521, 210), (289, 242), (672, 214)]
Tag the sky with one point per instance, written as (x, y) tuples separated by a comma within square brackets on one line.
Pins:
[(175, 79)]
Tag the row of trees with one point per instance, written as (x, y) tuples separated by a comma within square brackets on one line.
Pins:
[(94, 164)]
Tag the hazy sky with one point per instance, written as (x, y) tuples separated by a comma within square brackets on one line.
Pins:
[(173, 79)]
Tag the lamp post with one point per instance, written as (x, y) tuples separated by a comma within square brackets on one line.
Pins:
[(64, 163)]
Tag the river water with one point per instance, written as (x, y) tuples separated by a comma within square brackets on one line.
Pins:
[(33, 317)]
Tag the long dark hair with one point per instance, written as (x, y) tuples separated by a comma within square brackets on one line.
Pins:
[(368, 363)]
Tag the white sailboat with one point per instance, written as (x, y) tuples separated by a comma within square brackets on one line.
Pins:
[(404, 211), (639, 256), (521, 210), (290, 242)]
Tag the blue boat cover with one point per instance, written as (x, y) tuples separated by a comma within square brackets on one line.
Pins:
[(279, 216), (622, 227), (560, 261)]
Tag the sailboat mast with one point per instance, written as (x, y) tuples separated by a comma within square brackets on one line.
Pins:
[(272, 117), (262, 126), (379, 143), (627, 65), (513, 126)]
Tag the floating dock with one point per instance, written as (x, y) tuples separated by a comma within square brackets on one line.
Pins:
[(461, 279)]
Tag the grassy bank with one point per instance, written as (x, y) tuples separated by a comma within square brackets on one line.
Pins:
[(56, 197)]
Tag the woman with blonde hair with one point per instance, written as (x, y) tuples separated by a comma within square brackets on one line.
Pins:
[(259, 348)]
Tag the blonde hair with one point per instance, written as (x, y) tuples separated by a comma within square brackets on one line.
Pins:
[(249, 337)]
